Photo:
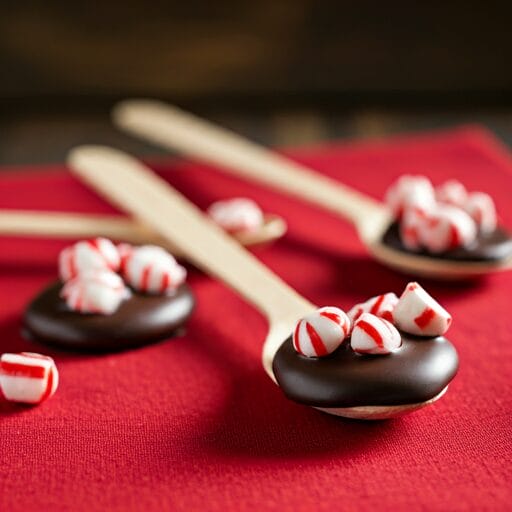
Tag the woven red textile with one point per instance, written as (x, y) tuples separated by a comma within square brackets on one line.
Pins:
[(194, 423)]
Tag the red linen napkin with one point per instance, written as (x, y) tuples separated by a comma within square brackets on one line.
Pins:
[(194, 423)]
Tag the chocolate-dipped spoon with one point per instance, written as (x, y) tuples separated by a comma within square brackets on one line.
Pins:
[(175, 129), (135, 189), (85, 225)]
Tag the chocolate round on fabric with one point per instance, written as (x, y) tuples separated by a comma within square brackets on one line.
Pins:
[(493, 246), (417, 372), (141, 319)]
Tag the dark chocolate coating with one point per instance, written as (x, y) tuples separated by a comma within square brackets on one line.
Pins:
[(141, 319), (416, 372), (495, 246)]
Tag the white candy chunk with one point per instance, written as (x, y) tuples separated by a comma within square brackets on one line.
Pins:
[(28, 377), (410, 191), (419, 313), (238, 214), (95, 291), (411, 228), (98, 253), (482, 210), (452, 192), (151, 269), (447, 227), (374, 335), (380, 305), (321, 332)]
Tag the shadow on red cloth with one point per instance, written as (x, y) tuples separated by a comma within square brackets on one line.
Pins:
[(357, 275), (254, 404)]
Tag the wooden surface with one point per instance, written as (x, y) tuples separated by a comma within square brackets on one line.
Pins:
[(197, 49)]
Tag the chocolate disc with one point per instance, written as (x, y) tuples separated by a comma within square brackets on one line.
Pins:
[(494, 246), (141, 319), (419, 370)]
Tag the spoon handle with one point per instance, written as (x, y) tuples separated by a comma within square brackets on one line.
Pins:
[(72, 225), (134, 188), (178, 130)]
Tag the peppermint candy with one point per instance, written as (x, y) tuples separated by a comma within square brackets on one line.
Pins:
[(412, 227), (410, 191), (446, 228), (380, 305), (452, 192), (151, 269), (92, 286), (374, 335), (321, 333), (418, 313), (28, 377), (95, 291), (480, 207), (97, 253), (238, 214)]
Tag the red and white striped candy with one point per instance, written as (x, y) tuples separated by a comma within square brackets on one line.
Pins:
[(321, 332), (87, 255), (412, 226), (452, 192), (95, 291), (151, 269), (374, 335), (239, 214), (482, 210), (447, 227), (419, 313), (27, 377), (380, 305), (410, 191)]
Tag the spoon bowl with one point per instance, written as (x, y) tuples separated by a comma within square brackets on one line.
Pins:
[(175, 129), (152, 201)]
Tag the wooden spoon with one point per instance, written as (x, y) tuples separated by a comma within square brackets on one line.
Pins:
[(178, 130), (116, 227), (134, 188)]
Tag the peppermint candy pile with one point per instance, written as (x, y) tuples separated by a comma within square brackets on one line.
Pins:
[(372, 326), (441, 218), (98, 275), (237, 214), (27, 377)]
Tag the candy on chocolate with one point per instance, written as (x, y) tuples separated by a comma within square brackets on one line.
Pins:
[(95, 291), (417, 372), (103, 313), (97, 253), (28, 377), (447, 227), (480, 207), (140, 320), (418, 313), (374, 335), (151, 269), (321, 332), (410, 191), (238, 214), (452, 192), (411, 228), (443, 219), (380, 305)]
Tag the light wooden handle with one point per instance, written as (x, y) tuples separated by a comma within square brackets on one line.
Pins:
[(73, 225), (134, 188), (178, 130)]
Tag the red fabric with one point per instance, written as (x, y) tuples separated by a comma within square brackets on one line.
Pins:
[(195, 424)]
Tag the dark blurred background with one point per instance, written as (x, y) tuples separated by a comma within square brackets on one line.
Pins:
[(279, 71)]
